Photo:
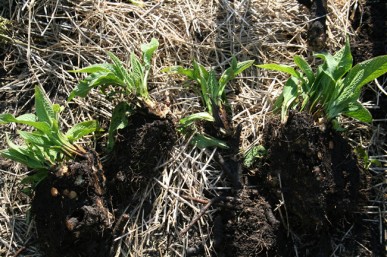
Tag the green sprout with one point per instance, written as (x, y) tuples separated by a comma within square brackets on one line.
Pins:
[(46, 146), (331, 91), (132, 82), (213, 95), (253, 154)]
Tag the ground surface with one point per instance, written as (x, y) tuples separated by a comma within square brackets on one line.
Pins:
[(308, 197)]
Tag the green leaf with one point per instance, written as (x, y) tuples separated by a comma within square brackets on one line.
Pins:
[(330, 63), (290, 94), (278, 103), (81, 129), (201, 75), (34, 138), (203, 141), (305, 68), (119, 120), (189, 120), (361, 74), (103, 68), (95, 80), (23, 155), (119, 69), (234, 70), (280, 67), (43, 105), (357, 111), (26, 119), (180, 70), (148, 50), (137, 77), (344, 59)]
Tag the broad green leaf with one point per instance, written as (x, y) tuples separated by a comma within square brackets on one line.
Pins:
[(330, 63), (26, 119), (180, 70), (241, 66), (103, 68), (357, 111), (280, 67), (43, 106), (361, 74), (327, 89), (290, 94), (137, 76), (95, 80), (34, 138), (23, 157), (201, 75), (203, 141), (305, 68), (119, 69), (81, 129), (7, 118), (148, 50), (119, 120), (234, 70), (21, 154), (344, 59), (189, 120)]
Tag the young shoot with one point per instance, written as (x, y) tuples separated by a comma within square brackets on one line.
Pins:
[(130, 82), (213, 95)]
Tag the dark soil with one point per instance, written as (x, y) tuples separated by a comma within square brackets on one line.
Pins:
[(247, 227), (322, 187), (78, 213), (317, 27), (138, 149), (370, 22), (70, 210)]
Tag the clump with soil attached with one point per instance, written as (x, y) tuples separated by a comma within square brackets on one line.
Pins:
[(315, 176), (71, 212), (248, 228), (138, 150)]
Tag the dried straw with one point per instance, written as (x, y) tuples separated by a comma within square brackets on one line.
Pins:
[(47, 38)]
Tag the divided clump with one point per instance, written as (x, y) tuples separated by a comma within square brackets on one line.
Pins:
[(141, 130), (67, 182)]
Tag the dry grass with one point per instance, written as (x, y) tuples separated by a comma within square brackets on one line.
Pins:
[(46, 38)]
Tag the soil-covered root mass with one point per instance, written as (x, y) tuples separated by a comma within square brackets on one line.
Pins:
[(70, 210), (314, 176), (247, 228), (137, 153)]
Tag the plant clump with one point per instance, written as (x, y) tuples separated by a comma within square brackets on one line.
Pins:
[(67, 182), (141, 131), (310, 168)]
